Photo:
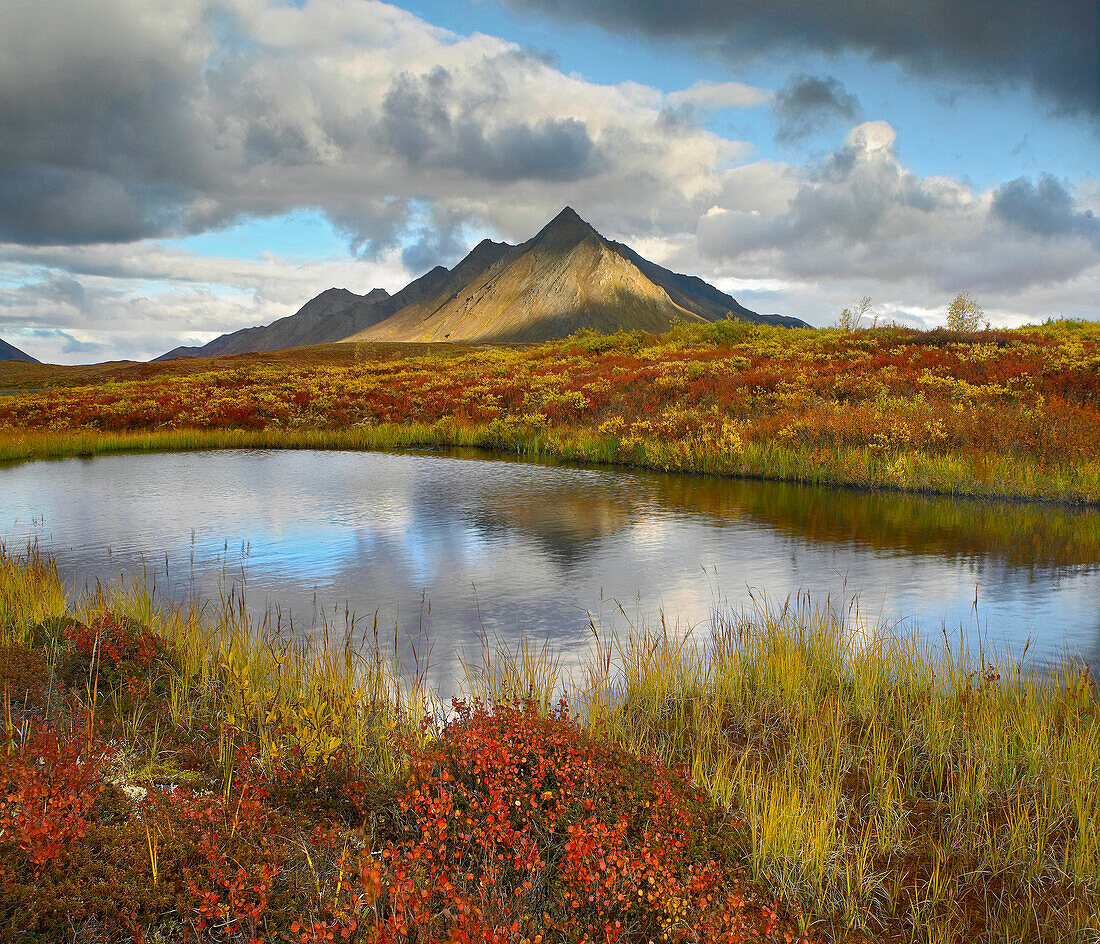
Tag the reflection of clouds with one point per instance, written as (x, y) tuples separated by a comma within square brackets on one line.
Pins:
[(543, 546)]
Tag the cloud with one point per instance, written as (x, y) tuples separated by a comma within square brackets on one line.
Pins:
[(1050, 46), (136, 301), (433, 124), (1045, 208), (125, 123), (715, 95), (67, 343), (807, 105), (860, 217), (101, 137), (153, 118)]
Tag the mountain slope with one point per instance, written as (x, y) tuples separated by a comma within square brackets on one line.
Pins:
[(330, 316), (699, 296), (564, 278), (8, 352), (337, 313)]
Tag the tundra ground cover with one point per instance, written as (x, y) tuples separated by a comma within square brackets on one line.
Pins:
[(180, 775), (1008, 413), (166, 779)]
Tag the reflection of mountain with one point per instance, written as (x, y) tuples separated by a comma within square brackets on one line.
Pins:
[(566, 522), (569, 517)]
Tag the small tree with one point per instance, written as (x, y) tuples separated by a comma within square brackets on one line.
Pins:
[(963, 314), (850, 318)]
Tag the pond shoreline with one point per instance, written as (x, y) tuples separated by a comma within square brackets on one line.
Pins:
[(27, 446), (514, 546)]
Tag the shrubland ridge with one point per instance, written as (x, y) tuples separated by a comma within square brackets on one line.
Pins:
[(181, 775), (1012, 413)]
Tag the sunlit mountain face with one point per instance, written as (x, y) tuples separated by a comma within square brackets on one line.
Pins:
[(565, 278)]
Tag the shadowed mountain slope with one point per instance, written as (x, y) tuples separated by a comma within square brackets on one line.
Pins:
[(337, 313), (9, 352), (331, 316)]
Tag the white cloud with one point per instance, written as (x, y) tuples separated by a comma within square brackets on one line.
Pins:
[(714, 95), (139, 300), (141, 119), (861, 219)]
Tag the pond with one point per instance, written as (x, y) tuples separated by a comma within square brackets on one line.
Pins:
[(448, 549)]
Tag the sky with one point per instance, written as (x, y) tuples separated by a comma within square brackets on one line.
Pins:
[(171, 170)]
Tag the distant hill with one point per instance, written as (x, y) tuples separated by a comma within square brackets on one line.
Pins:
[(331, 316), (564, 278), (9, 352)]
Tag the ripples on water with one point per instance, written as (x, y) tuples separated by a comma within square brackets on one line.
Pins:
[(445, 548)]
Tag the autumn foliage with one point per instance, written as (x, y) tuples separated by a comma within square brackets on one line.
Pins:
[(503, 824), (987, 412)]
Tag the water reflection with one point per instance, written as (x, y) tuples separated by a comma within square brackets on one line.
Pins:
[(446, 547)]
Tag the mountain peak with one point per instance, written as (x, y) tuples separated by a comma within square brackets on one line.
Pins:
[(567, 228), (568, 215)]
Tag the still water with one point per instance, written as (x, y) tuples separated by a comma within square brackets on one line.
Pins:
[(448, 549)]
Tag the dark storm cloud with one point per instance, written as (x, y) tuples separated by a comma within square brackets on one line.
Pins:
[(433, 246), (429, 124), (1050, 46), (1045, 208), (807, 105), (41, 204), (97, 142)]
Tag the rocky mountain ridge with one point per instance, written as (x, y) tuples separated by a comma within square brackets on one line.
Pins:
[(564, 278)]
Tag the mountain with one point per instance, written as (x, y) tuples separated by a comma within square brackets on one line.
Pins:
[(336, 313), (11, 353), (331, 316), (564, 278)]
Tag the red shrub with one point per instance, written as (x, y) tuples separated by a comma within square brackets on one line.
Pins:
[(48, 786), (120, 651), (516, 826)]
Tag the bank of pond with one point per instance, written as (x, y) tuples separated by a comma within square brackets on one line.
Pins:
[(1009, 413)]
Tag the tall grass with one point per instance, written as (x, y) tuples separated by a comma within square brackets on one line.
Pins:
[(237, 677), (30, 592), (889, 789)]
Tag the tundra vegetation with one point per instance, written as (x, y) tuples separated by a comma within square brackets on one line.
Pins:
[(1012, 413), (181, 775)]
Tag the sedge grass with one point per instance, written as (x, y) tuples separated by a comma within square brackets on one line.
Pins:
[(885, 789)]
